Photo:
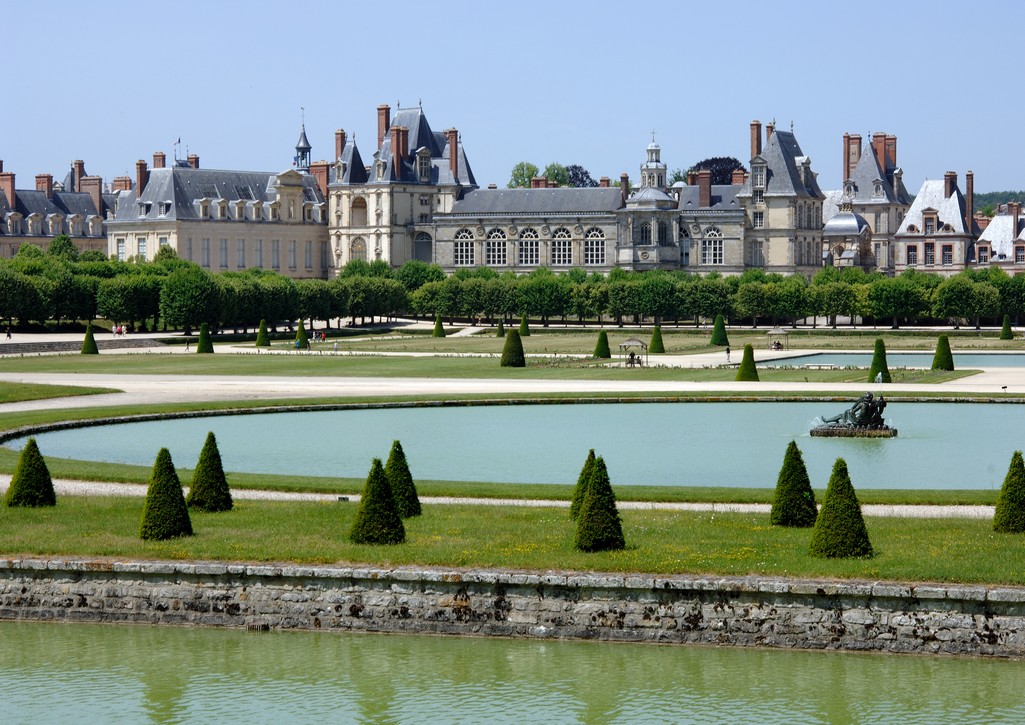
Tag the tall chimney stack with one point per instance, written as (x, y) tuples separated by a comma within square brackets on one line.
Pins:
[(738, 177), (624, 186), (770, 128), (7, 187), (404, 142), (320, 171), (141, 177), (949, 183), (969, 203), (453, 151), (159, 159), (704, 188), (879, 147), (44, 183), (121, 183), (339, 143), (77, 172), (756, 139), (1014, 210), (383, 123), (396, 154), (891, 149), (93, 186), (193, 161)]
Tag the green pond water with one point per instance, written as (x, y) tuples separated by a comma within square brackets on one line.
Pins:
[(940, 446), (82, 673)]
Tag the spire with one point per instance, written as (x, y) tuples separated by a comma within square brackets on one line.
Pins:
[(302, 149)]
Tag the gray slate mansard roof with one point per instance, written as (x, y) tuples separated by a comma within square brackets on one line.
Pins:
[(782, 155), (66, 203), (724, 198), (951, 209), (539, 201), (845, 223), (1000, 236)]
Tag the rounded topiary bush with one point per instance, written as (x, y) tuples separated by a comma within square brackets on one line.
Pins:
[(439, 329), (1009, 516), (794, 501), (581, 488), (840, 528), (524, 327), (500, 329), (401, 481), (598, 525), (209, 490), (301, 337), (377, 520), (165, 514), (262, 338), (656, 345), (943, 359), (205, 345), (719, 337), (512, 351), (879, 368), (601, 348), (89, 343), (31, 484), (747, 370), (1005, 329)]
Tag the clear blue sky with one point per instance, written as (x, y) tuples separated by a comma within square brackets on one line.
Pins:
[(573, 82)]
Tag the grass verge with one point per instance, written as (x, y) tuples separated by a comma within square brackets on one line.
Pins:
[(19, 392)]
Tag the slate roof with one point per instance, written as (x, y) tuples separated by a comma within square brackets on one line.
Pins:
[(1001, 236), (846, 224), (951, 210), (539, 201), (724, 198), (66, 203), (865, 175), (650, 196), (355, 169), (783, 158)]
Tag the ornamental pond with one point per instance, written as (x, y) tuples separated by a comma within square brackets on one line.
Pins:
[(940, 445), (88, 673)]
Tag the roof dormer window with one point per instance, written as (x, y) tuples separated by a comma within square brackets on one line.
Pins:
[(204, 208), (758, 176), (163, 208), (848, 189), (222, 209), (423, 165), (929, 223), (878, 190), (144, 207)]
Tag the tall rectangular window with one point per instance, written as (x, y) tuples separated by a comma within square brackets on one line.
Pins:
[(711, 251), (495, 253), (308, 254), (140, 243), (291, 254), (1019, 255), (912, 255), (594, 251), (948, 254), (120, 249), (757, 257), (325, 255), (204, 253), (983, 255), (758, 196), (240, 253), (562, 252), (530, 252), (930, 253), (275, 254), (224, 253), (758, 220), (462, 254), (258, 253), (188, 249), (162, 242)]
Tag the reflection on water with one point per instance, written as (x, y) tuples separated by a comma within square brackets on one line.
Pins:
[(672, 444), (97, 673)]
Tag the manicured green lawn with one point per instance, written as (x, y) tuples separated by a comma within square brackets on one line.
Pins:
[(18, 392), (947, 550)]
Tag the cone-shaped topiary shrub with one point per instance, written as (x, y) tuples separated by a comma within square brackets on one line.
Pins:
[(656, 340), (165, 515), (581, 488), (524, 327), (1005, 329), (719, 336), (747, 369), (209, 490), (512, 351), (1009, 517), (439, 329), (598, 525), (300, 335), (794, 501), (262, 338), (943, 359), (601, 348), (377, 520), (401, 482), (205, 345), (879, 366), (89, 343), (31, 484), (500, 330), (840, 529)]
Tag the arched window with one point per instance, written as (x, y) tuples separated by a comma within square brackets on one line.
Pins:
[(464, 233), (358, 249), (663, 234), (358, 215), (562, 248), (495, 248), (530, 248), (594, 246), (644, 233), (423, 247), (712, 246)]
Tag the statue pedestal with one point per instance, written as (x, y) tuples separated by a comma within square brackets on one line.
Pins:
[(826, 431)]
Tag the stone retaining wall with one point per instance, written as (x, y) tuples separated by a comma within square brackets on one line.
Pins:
[(768, 612)]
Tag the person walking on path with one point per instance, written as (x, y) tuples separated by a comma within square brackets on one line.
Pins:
[(727, 353)]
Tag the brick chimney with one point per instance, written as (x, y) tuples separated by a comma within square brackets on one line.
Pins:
[(44, 183), (404, 142), (537, 182), (704, 188), (77, 172), (969, 202), (692, 178), (93, 186), (339, 143), (770, 128), (193, 161), (7, 187), (159, 159), (756, 139), (551, 183), (141, 177), (383, 123), (739, 177), (121, 183), (949, 183), (453, 151), (1014, 209), (396, 154), (851, 153), (319, 171), (624, 186), (891, 149), (879, 148), (603, 182)]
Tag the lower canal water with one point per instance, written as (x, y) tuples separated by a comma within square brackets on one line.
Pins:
[(86, 673)]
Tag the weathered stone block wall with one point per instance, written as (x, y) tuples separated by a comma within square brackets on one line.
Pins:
[(770, 612)]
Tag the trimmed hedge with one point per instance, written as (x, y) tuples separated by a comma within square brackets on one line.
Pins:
[(165, 514), (1005, 329), (656, 345), (598, 526), (377, 521), (879, 363), (31, 484), (89, 343), (301, 337), (209, 490), (601, 348), (581, 488), (794, 501), (401, 482), (1009, 516), (262, 338), (512, 351), (524, 327), (747, 369), (500, 330), (439, 329), (205, 345), (840, 531), (719, 337), (943, 359)]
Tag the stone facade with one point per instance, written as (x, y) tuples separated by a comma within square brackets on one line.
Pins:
[(744, 611)]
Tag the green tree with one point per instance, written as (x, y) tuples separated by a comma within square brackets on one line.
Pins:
[(794, 501), (722, 168), (1009, 514), (522, 173), (943, 359), (1005, 329), (598, 525), (656, 345), (524, 330), (747, 370), (879, 366), (439, 329), (580, 490), (209, 490), (262, 338), (512, 351), (301, 338), (89, 343), (62, 247), (31, 484), (314, 300), (556, 172), (205, 345), (579, 177), (401, 481), (414, 274), (165, 514), (601, 348), (377, 520), (188, 297), (840, 529), (500, 329), (719, 336)]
